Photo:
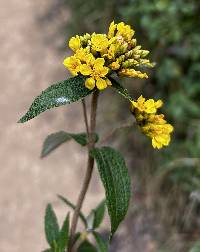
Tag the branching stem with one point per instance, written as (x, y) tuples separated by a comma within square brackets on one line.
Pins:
[(90, 164)]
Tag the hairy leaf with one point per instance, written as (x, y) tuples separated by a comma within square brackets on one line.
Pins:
[(54, 140), (102, 246), (116, 181), (70, 204), (86, 246), (51, 226), (61, 93)]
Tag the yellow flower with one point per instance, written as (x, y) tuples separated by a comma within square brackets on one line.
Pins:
[(101, 84), (152, 125), (97, 72), (90, 83), (124, 31), (159, 133), (149, 106), (72, 64), (84, 55), (85, 69), (99, 42), (114, 66), (132, 73), (111, 31), (75, 43)]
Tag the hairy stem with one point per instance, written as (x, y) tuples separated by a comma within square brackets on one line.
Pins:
[(90, 164)]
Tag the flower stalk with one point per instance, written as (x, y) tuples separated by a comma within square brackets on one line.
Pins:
[(90, 164)]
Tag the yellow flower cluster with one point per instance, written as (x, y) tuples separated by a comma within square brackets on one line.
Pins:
[(96, 56), (153, 125)]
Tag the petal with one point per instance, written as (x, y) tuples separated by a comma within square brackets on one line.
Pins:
[(101, 84), (99, 62), (85, 69), (108, 82), (90, 83)]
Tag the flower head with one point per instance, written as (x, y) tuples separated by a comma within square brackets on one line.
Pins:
[(99, 55), (152, 124)]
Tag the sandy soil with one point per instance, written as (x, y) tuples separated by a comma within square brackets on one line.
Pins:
[(29, 63)]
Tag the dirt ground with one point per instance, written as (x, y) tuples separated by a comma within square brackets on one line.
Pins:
[(29, 63)]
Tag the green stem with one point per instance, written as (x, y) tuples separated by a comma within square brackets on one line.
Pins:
[(90, 165)]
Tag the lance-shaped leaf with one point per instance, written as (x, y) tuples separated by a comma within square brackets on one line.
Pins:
[(54, 140), (102, 246), (70, 204), (99, 212), (120, 89), (95, 217), (51, 226), (116, 181), (64, 235), (61, 93)]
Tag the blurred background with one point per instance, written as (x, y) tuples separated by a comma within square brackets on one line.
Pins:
[(164, 215)]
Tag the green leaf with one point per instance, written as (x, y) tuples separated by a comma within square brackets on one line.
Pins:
[(54, 140), (99, 212), (70, 204), (95, 217), (61, 93), (63, 238), (102, 246), (86, 246), (48, 250), (120, 89), (116, 181), (90, 221), (51, 226), (77, 236)]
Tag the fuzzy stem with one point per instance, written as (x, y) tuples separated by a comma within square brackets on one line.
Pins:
[(90, 165)]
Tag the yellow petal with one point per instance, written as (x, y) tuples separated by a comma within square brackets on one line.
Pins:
[(101, 84), (90, 83), (99, 62), (85, 69), (108, 82), (156, 144), (112, 29), (75, 43)]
